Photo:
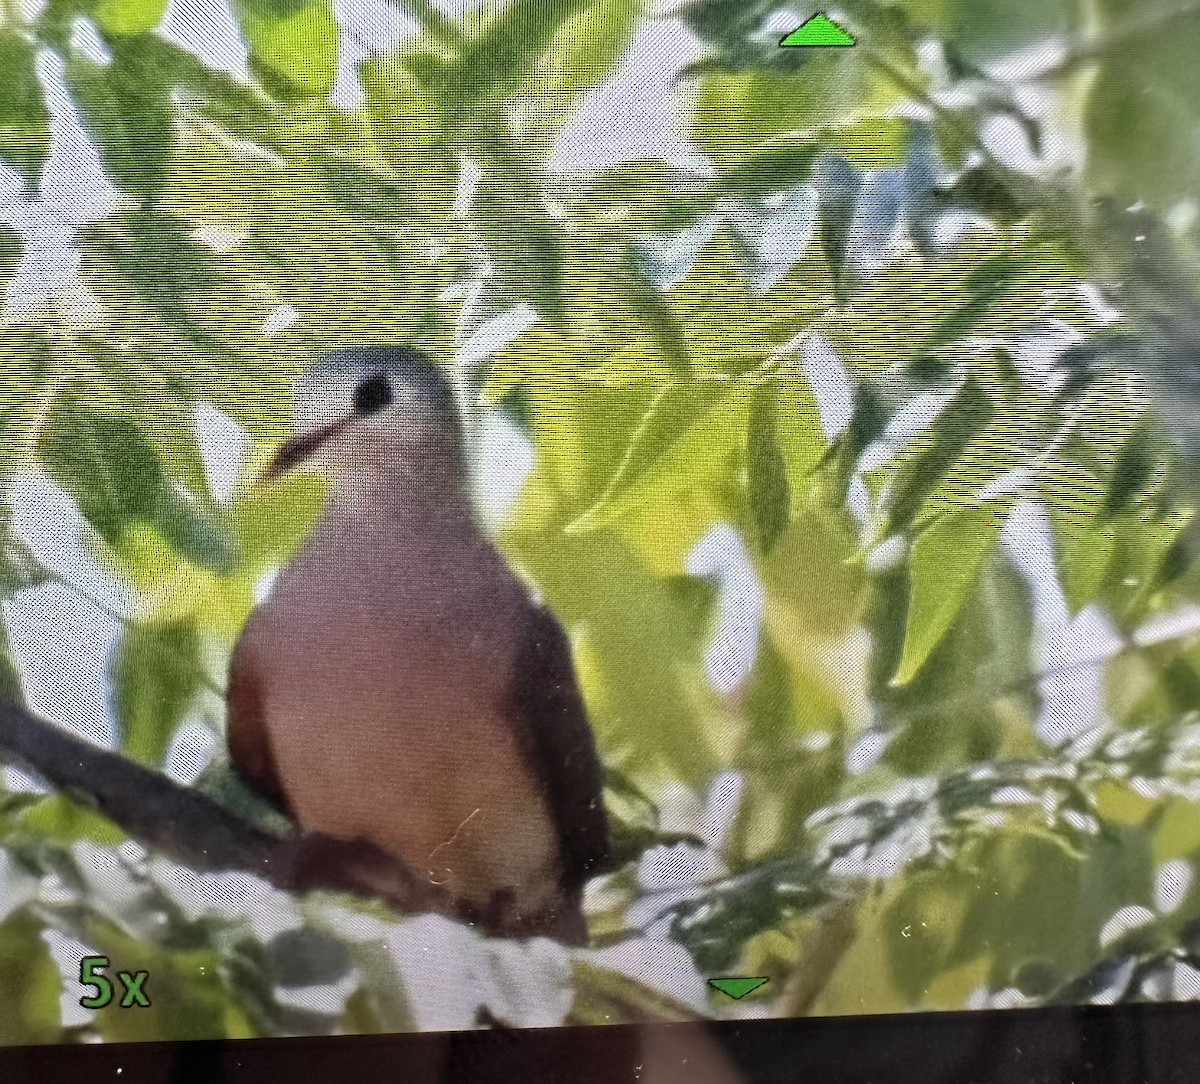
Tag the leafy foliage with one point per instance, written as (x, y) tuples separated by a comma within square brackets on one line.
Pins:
[(867, 523)]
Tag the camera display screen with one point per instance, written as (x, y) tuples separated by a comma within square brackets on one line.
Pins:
[(581, 512)]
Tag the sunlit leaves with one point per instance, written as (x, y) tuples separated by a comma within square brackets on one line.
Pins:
[(585, 47), (518, 233), (31, 1004), (1084, 541)]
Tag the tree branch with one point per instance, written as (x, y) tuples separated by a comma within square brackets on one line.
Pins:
[(186, 826)]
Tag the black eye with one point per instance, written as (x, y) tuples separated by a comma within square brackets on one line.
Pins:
[(373, 395)]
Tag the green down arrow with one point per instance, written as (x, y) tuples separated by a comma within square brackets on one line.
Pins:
[(737, 988)]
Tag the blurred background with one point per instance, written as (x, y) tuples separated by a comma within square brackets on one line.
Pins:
[(836, 400)]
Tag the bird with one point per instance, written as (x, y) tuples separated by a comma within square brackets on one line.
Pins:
[(400, 686)]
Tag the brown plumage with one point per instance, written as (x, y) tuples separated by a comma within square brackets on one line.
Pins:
[(400, 686)]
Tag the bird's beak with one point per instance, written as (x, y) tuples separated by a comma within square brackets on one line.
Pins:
[(299, 450)]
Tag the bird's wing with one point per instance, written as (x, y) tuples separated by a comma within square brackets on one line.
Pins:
[(249, 741), (561, 744)]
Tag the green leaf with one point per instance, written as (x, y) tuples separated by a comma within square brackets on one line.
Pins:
[(10, 252), (104, 462), (962, 419), (293, 44), (24, 119), (1138, 462), (521, 237), (156, 673), (681, 438), (984, 287), (655, 311), (586, 46), (19, 568), (126, 108), (838, 184), (742, 114), (944, 565), (124, 17), (1084, 541), (868, 420), (196, 530), (510, 43), (242, 110), (409, 128), (29, 997), (1143, 134), (766, 469)]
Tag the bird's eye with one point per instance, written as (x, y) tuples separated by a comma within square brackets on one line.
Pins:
[(373, 395)]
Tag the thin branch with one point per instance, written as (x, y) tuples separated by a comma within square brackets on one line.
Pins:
[(186, 826)]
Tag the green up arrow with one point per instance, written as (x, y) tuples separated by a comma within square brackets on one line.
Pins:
[(819, 30)]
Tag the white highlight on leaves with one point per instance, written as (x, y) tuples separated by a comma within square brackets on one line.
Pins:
[(831, 385), (633, 114), (503, 459), (206, 29), (469, 175), (367, 27), (1184, 621), (1184, 983), (1070, 650), (191, 751), (671, 875), (660, 964), (722, 555), (495, 333), (1128, 918), (224, 447), (17, 781), (1171, 885), (75, 191), (451, 971), (784, 237), (877, 224), (867, 751), (328, 998), (87, 42), (66, 952), (240, 896), (280, 319), (671, 256), (220, 239)]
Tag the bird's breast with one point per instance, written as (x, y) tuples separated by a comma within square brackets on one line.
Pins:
[(385, 691)]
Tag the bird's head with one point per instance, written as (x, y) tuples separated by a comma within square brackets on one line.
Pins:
[(368, 401)]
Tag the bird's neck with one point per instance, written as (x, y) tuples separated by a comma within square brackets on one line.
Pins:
[(425, 484)]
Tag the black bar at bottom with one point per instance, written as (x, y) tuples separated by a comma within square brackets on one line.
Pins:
[(1135, 1044)]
